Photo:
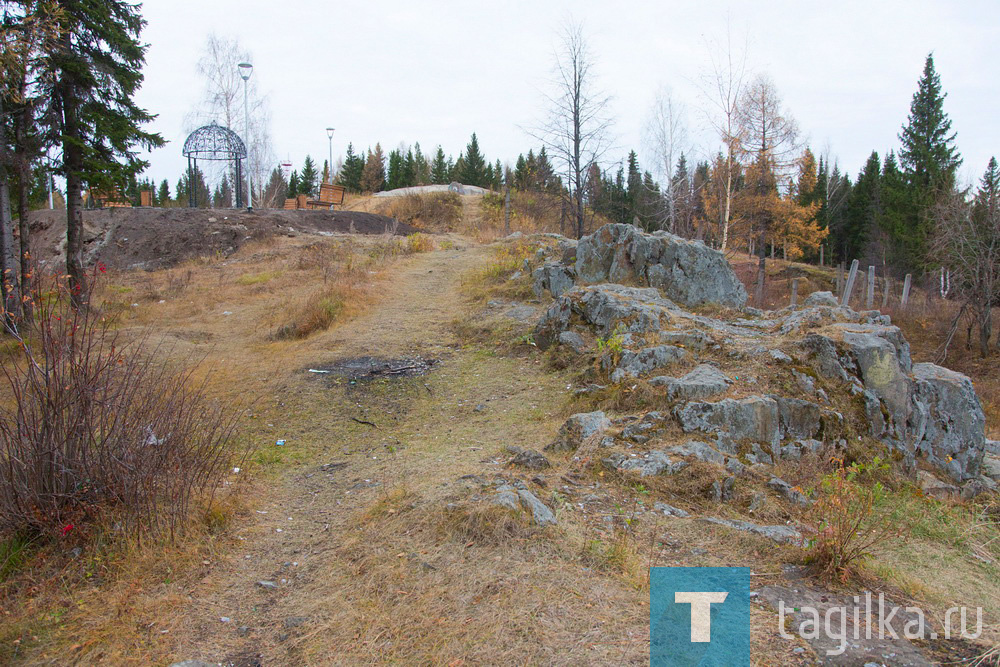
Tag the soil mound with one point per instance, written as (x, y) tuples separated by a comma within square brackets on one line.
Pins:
[(155, 238)]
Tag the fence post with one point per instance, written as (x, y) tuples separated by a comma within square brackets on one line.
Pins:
[(906, 291), (851, 277), (795, 291), (840, 278), (885, 292), (821, 255), (870, 300)]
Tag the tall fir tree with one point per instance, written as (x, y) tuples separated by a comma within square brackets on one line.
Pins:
[(350, 173), (929, 160), (308, 178), (163, 195), (473, 170), (98, 70), (439, 168), (373, 175)]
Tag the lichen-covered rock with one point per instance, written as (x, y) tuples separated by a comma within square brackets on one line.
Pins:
[(687, 271), (702, 451), (528, 458), (632, 364), (799, 418), (650, 463), (704, 381), (579, 428), (540, 512), (785, 534), (949, 424), (574, 341), (554, 278), (821, 299), (754, 418)]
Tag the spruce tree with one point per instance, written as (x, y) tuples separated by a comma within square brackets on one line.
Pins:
[(473, 170), (308, 178), (163, 196), (97, 68), (929, 162), (439, 168), (293, 184), (864, 210), (373, 175), (350, 174)]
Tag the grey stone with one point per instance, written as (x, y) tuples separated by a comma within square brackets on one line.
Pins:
[(522, 313), (991, 467), (687, 271), (951, 425), (785, 534), (295, 621), (633, 364), (799, 418), (528, 458), (267, 585), (698, 450), (579, 428), (722, 490), (821, 299), (693, 339), (554, 278), (540, 512), (993, 447), (779, 356), (507, 499), (758, 501), (704, 381), (759, 456), (650, 463), (934, 487), (824, 357), (788, 492), (880, 369), (670, 510), (753, 418), (574, 341)]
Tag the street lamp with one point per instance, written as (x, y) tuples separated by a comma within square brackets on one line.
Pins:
[(246, 69), (329, 133)]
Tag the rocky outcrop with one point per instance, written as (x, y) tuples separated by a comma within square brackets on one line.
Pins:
[(579, 428), (688, 272), (754, 418), (703, 382), (634, 364), (949, 423), (554, 278)]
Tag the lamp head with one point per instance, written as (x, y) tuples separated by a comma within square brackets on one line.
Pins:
[(245, 70), (329, 132)]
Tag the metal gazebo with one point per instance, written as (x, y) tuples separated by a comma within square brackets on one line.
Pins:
[(214, 142)]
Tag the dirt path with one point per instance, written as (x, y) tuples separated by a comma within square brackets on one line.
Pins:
[(351, 556)]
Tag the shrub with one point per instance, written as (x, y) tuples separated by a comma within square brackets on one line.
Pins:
[(101, 432), (854, 512), (317, 314)]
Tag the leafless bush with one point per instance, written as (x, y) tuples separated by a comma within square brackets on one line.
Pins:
[(102, 432)]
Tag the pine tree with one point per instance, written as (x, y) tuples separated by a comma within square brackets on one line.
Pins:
[(293, 185), (394, 173), (163, 196), (98, 70), (308, 178), (929, 161), (473, 170), (373, 175), (350, 174), (276, 190), (439, 168), (421, 167), (864, 210)]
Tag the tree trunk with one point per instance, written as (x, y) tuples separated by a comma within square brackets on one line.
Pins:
[(73, 164), (759, 296), (985, 330), (24, 232), (8, 263)]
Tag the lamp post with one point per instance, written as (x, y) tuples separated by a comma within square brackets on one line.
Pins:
[(329, 134), (246, 69)]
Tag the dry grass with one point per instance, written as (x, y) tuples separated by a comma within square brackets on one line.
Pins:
[(436, 212)]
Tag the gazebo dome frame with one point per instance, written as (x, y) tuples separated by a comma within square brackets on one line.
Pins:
[(214, 142)]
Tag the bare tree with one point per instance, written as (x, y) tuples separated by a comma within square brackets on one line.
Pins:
[(967, 243), (722, 86), (223, 103), (765, 129), (666, 138), (576, 130)]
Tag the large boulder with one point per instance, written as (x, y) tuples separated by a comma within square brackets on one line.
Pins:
[(579, 428), (632, 364), (949, 423), (555, 278), (687, 271), (704, 381), (755, 418)]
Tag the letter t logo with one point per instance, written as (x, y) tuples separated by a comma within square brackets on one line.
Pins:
[(701, 612)]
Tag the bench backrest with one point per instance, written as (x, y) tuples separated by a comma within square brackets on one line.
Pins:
[(333, 194)]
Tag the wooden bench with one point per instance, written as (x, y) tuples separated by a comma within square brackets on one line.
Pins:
[(329, 196), (113, 199), (290, 204), (145, 198)]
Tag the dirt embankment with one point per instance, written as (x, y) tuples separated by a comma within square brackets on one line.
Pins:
[(154, 238)]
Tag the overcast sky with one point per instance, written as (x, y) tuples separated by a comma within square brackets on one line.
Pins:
[(434, 72)]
